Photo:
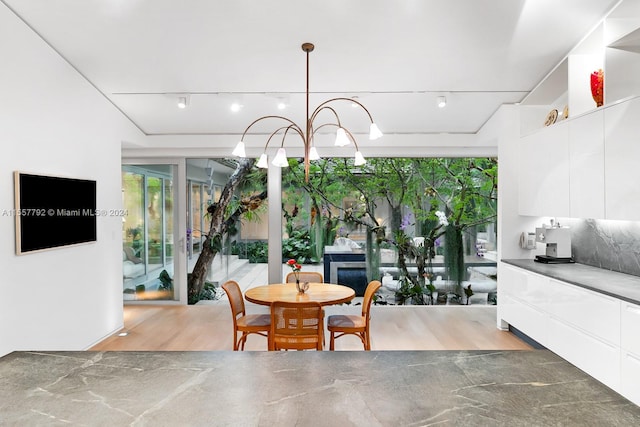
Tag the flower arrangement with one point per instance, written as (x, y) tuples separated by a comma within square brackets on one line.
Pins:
[(295, 267)]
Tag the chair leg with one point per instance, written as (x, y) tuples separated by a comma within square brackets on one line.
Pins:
[(235, 341), (367, 341), (243, 339)]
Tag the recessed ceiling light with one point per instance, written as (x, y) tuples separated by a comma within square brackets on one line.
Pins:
[(235, 107), (123, 334), (281, 105)]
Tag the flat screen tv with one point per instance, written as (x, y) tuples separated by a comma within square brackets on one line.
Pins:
[(53, 211)]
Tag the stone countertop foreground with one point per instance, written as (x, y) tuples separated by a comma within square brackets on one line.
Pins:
[(619, 285), (395, 388)]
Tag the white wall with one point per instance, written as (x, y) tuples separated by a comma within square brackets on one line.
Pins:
[(504, 127), (53, 122)]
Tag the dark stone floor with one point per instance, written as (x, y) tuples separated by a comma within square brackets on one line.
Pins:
[(393, 388)]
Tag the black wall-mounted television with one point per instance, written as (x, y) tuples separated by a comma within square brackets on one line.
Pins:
[(53, 211)]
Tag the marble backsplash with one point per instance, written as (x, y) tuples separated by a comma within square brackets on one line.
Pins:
[(612, 245)]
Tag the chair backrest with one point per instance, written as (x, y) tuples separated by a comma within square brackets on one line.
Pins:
[(234, 293), (371, 290), (296, 325), (305, 276)]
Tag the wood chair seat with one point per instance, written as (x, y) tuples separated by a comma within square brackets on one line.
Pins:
[(343, 322), (254, 322)]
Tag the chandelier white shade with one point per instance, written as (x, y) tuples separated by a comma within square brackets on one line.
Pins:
[(374, 132), (359, 159), (239, 150), (281, 158), (313, 154), (263, 163), (343, 136)]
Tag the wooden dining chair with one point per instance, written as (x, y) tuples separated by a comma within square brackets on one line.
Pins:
[(350, 324), (242, 322), (296, 326), (305, 276)]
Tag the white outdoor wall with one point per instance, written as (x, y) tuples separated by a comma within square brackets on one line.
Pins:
[(53, 122)]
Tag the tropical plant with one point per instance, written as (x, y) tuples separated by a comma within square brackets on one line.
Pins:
[(257, 252), (298, 246)]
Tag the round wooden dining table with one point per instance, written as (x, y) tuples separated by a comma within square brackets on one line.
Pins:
[(324, 293)]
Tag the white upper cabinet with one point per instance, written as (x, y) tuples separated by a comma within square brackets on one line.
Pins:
[(544, 173), (622, 160), (586, 166)]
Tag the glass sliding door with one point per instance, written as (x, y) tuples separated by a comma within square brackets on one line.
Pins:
[(148, 232), (195, 214)]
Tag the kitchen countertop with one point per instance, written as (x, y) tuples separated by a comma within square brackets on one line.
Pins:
[(619, 285), (363, 388)]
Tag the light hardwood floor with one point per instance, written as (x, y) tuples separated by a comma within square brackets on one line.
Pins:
[(209, 327)]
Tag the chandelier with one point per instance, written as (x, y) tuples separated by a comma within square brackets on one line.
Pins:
[(343, 136)]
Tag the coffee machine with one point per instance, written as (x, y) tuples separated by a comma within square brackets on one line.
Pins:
[(558, 245)]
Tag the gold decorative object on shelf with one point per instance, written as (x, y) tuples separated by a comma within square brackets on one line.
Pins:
[(565, 112), (551, 117)]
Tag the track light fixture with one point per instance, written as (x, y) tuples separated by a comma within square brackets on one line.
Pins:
[(343, 135), (441, 101), (183, 101)]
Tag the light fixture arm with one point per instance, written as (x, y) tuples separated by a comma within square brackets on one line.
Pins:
[(292, 125), (274, 133), (350, 100), (315, 113)]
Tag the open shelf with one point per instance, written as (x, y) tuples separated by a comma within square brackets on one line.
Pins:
[(613, 46)]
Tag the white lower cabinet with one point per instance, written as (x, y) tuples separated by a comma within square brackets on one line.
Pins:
[(630, 353), (589, 311), (630, 377), (630, 328), (594, 356), (595, 332), (528, 319)]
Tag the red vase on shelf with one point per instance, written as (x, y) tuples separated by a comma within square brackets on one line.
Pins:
[(597, 87)]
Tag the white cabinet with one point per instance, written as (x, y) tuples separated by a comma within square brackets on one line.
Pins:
[(630, 377), (630, 352), (586, 165), (622, 160), (595, 332), (599, 359), (630, 328), (544, 173), (523, 300), (597, 314)]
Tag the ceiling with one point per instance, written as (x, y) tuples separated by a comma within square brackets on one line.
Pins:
[(395, 56)]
